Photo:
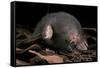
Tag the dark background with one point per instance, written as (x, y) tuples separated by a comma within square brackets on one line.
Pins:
[(28, 13)]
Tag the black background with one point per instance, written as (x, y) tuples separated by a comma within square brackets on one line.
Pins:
[(28, 13)]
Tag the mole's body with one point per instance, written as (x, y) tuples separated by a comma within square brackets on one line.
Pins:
[(61, 30)]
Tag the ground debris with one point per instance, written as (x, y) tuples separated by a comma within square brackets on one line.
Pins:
[(49, 58), (39, 55)]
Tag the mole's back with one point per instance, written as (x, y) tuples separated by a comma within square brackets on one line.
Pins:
[(61, 22)]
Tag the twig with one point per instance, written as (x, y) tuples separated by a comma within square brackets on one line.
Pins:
[(32, 46), (17, 36), (18, 50), (29, 40), (94, 29), (20, 62)]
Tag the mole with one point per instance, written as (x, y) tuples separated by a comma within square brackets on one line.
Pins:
[(62, 32)]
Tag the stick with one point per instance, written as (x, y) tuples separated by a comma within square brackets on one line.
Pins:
[(20, 62), (29, 48), (29, 40), (38, 54), (18, 50), (94, 29)]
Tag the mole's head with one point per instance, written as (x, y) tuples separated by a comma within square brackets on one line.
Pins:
[(78, 41)]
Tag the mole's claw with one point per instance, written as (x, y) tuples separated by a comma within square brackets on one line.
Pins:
[(82, 46), (85, 43)]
